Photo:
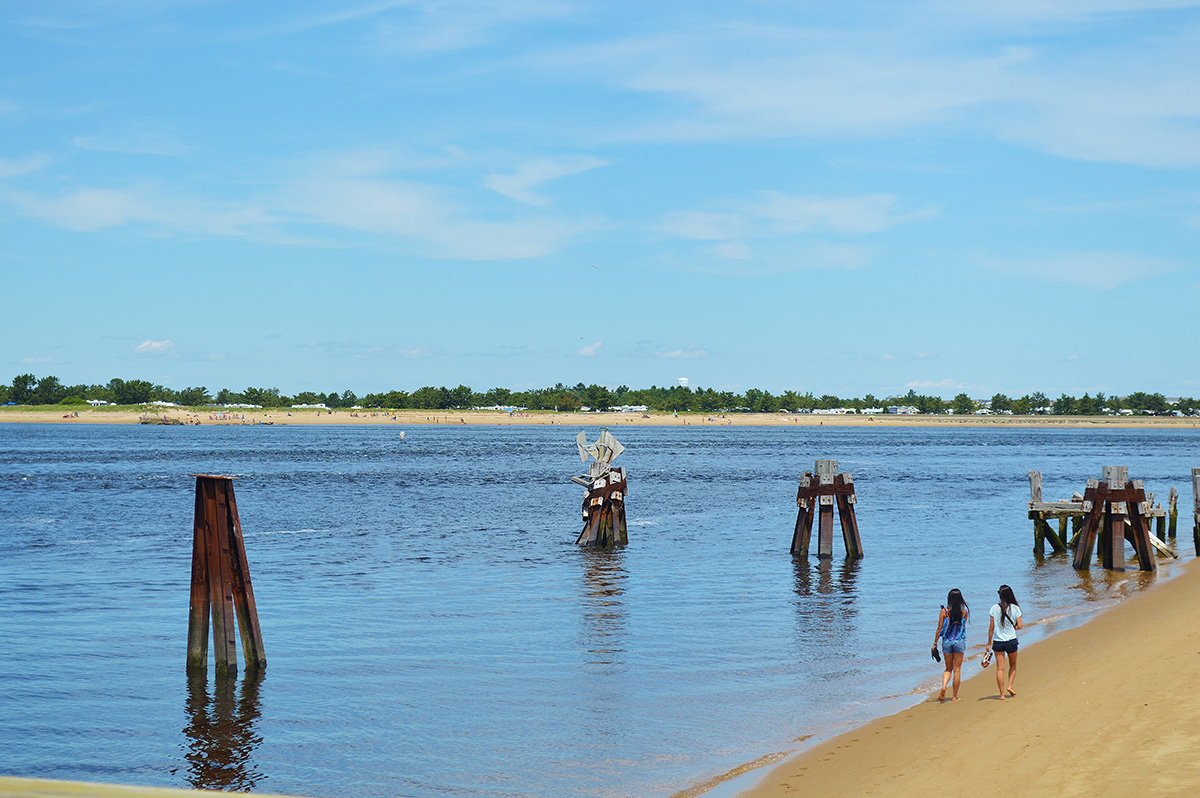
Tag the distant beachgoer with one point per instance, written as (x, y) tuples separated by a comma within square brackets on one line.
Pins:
[(1002, 632), (952, 631)]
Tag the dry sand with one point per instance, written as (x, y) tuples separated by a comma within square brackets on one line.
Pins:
[(1105, 709), (89, 415)]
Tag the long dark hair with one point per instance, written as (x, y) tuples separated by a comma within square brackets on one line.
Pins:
[(1007, 601), (956, 606)]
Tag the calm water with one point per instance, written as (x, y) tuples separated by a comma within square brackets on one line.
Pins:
[(432, 630)]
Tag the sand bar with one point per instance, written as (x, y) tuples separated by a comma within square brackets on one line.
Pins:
[(1106, 709), (129, 415)]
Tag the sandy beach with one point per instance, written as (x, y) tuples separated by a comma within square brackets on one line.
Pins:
[(127, 415), (1104, 709)]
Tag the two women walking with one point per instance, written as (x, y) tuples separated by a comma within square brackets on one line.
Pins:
[(1005, 620)]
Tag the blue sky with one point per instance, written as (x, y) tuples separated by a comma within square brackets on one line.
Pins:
[(837, 197)]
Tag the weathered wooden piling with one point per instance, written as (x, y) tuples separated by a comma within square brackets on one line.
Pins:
[(817, 495), (1196, 507), (1079, 507), (1113, 501), (604, 504), (1172, 512), (221, 583)]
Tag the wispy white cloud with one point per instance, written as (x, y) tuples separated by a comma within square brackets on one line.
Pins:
[(1132, 98), (13, 167), (33, 361), (141, 142), (149, 347), (686, 352), (88, 209), (519, 183), (590, 350), (1101, 270)]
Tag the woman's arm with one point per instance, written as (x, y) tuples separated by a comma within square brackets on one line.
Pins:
[(1019, 624), (937, 633), (991, 630)]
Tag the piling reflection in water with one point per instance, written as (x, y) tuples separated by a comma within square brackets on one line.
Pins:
[(827, 600), (220, 732), (604, 620)]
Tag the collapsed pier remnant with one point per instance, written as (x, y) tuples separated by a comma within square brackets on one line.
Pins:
[(221, 583), (604, 504), (1110, 511), (819, 490)]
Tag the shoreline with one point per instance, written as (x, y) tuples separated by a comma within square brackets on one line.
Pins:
[(1101, 708), (65, 414)]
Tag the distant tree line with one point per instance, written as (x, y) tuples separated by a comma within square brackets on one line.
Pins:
[(26, 389)]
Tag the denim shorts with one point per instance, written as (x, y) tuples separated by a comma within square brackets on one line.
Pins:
[(1004, 646), (953, 646)]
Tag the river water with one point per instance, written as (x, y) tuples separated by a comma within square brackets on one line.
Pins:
[(432, 630)]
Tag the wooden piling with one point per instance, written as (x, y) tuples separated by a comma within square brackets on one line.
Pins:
[(221, 581), (820, 491), (1196, 508), (1172, 512)]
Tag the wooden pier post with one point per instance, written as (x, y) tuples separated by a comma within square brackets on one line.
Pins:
[(1196, 507), (1172, 512), (604, 522), (221, 583), (1107, 505), (820, 491)]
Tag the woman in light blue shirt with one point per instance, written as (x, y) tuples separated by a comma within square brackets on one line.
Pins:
[(1002, 632)]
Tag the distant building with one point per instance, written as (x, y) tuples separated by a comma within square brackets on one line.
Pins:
[(96, 402), (903, 410), (310, 407)]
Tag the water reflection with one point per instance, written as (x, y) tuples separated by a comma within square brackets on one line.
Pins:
[(220, 733), (827, 599), (604, 619)]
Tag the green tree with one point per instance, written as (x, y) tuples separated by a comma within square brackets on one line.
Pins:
[(49, 391), (227, 397), (22, 388), (133, 392), (1065, 405), (194, 397), (962, 405), (1001, 403)]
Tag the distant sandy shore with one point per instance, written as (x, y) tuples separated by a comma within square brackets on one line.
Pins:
[(1105, 709), (89, 415)]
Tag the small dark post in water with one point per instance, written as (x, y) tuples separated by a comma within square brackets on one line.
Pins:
[(221, 583), (1172, 512), (1111, 502), (816, 496), (604, 504), (1196, 507)]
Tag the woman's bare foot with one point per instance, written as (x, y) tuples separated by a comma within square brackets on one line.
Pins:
[(956, 698), (1012, 691), (942, 695)]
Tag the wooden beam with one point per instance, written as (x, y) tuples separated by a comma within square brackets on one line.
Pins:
[(1035, 486)]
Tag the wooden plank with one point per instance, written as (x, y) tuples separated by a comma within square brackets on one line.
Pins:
[(253, 653), (1054, 538), (826, 470), (825, 530), (804, 518), (1035, 486), (198, 607), (849, 522), (1087, 534), (220, 600), (1140, 532), (1172, 511)]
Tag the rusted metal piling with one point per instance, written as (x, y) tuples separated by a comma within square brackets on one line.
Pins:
[(819, 491), (604, 504), (221, 583)]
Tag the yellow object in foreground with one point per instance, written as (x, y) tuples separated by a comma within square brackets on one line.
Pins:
[(46, 788)]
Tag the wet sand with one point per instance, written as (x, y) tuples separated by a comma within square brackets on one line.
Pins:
[(1105, 709)]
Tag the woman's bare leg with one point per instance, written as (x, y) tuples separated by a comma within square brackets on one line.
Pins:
[(946, 674), (1012, 672), (1001, 659), (958, 661)]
